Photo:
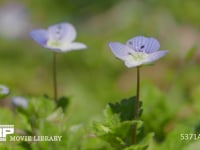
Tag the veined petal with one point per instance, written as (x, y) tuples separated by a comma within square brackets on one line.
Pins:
[(137, 43), (63, 32), (155, 56), (120, 50), (40, 36), (152, 45), (143, 44), (73, 46), (58, 38)]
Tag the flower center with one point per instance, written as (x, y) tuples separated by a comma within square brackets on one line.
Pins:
[(54, 43), (138, 56), (55, 40)]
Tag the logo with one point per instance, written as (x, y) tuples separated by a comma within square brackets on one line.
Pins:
[(9, 129), (5, 130)]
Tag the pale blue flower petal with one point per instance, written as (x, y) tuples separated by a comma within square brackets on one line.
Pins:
[(152, 45), (4, 90), (40, 36), (143, 44), (120, 50), (63, 32), (73, 46), (155, 56), (18, 101), (137, 43), (130, 62), (138, 51), (58, 38)]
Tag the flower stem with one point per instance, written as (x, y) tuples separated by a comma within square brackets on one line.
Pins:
[(54, 77), (136, 113)]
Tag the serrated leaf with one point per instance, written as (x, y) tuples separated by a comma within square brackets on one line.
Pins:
[(125, 108), (101, 129), (112, 119), (117, 136), (117, 127)]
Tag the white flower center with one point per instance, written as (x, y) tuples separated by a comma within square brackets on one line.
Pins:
[(53, 43), (55, 40), (138, 56)]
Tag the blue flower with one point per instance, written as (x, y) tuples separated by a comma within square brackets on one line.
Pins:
[(4, 91), (59, 38), (18, 101), (138, 51)]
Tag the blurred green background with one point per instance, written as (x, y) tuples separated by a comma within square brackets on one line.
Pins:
[(93, 77)]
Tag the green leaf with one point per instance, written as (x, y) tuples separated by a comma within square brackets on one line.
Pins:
[(57, 116), (143, 145), (158, 111), (125, 108), (117, 126), (118, 136), (173, 139), (63, 102), (38, 110)]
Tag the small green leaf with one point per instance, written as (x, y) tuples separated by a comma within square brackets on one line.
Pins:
[(56, 116), (125, 108), (63, 102), (101, 129)]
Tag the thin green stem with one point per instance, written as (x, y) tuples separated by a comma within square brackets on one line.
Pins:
[(136, 113), (54, 76)]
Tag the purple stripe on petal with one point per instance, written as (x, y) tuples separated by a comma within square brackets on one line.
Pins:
[(119, 50), (138, 43), (143, 44), (155, 56), (152, 45), (40, 36)]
